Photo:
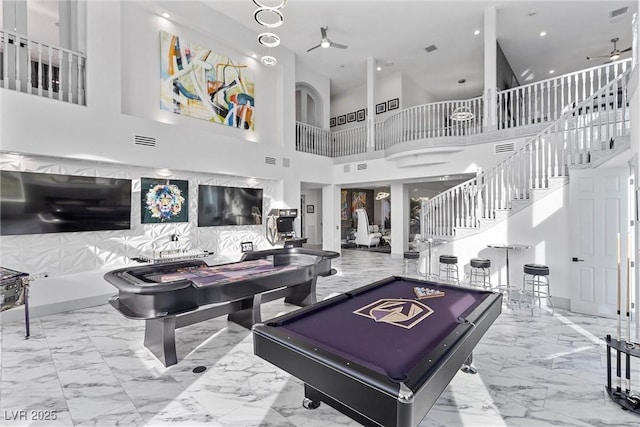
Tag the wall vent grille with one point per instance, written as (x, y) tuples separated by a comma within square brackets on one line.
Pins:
[(347, 168), (507, 147), (614, 14), (144, 141), (430, 48), (362, 166), (270, 160), (286, 162)]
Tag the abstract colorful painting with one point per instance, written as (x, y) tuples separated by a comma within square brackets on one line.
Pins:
[(358, 201), (164, 200), (344, 207), (198, 82)]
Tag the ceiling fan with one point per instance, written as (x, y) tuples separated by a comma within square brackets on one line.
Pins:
[(325, 42), (615, 53)]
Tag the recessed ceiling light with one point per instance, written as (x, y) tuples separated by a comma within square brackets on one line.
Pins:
[(552, 71), (165, 15), (379, 68), (543, 33), (254, 55), (476, 32)]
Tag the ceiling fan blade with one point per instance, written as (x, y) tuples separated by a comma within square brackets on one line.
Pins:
[(338, 45), (311, 48), (323, 32), (627, 49), (595, 57)]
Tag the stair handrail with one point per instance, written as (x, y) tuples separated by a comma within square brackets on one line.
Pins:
[(444, 204)]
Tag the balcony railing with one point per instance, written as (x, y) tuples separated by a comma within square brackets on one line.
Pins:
[(433, 121), (535, 103), (40, 69)]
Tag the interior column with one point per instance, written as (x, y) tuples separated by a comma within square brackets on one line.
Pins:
[(399, 219), (490, 68), (371, 83)]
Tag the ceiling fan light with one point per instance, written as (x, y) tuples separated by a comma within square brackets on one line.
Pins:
[(614, 56), (268, 17), (325, 43)]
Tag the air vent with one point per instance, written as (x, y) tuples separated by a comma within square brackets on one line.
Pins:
[(431, 48), (286, 162), (507, 147), (145, 141), (618, 13), (270, 160), (362, 166), (347, 168)]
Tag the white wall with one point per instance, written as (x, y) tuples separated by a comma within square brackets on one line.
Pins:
[(313, 221), (413, 94)]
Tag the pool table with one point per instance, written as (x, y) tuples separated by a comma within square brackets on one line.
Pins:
[(381, 354), (171, 295)]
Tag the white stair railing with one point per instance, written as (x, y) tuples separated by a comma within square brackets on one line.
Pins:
[(589, 126), (547, 100), (313, 140), (41, 69)]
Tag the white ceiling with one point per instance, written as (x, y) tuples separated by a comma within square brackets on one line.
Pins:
[(395, 33)]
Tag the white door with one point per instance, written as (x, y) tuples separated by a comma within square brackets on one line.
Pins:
[(598, 212)]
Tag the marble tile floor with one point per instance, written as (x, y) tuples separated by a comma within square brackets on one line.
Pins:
[(89, 368)]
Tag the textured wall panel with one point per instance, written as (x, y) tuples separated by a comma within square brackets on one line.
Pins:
[(66, 253)]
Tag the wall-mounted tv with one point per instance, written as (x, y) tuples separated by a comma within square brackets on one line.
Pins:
[(229, 206), (35, 203)]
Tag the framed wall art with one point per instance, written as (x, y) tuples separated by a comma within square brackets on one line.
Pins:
[(381, 108), (164, 200), (351, 117), (361, 115), (332, 122), (342, 119), (198, 82), (393, 104)]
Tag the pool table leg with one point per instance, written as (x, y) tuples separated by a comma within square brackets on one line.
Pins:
[(467, 366), (160, 339)]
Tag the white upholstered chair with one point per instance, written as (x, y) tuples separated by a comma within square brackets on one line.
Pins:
[(365, 234)]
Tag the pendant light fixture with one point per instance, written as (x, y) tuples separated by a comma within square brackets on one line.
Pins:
[(269, 14)]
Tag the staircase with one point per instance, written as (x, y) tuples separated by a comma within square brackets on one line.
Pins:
[(586, 134)]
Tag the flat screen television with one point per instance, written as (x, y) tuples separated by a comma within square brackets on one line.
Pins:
[(35, 203), (219, 205)]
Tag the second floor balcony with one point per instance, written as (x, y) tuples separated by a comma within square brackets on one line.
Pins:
[(516, 112)]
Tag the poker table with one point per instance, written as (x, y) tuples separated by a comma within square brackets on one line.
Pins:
[(383, 353), (168, 296)]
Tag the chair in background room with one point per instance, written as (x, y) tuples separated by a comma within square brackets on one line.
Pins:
[(366, 235)]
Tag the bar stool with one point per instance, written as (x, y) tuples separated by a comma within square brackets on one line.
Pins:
[(410, 256), (447, 267), (536, 277), (480, 273)]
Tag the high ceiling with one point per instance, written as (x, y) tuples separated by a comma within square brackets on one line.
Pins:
[(395, 33)]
